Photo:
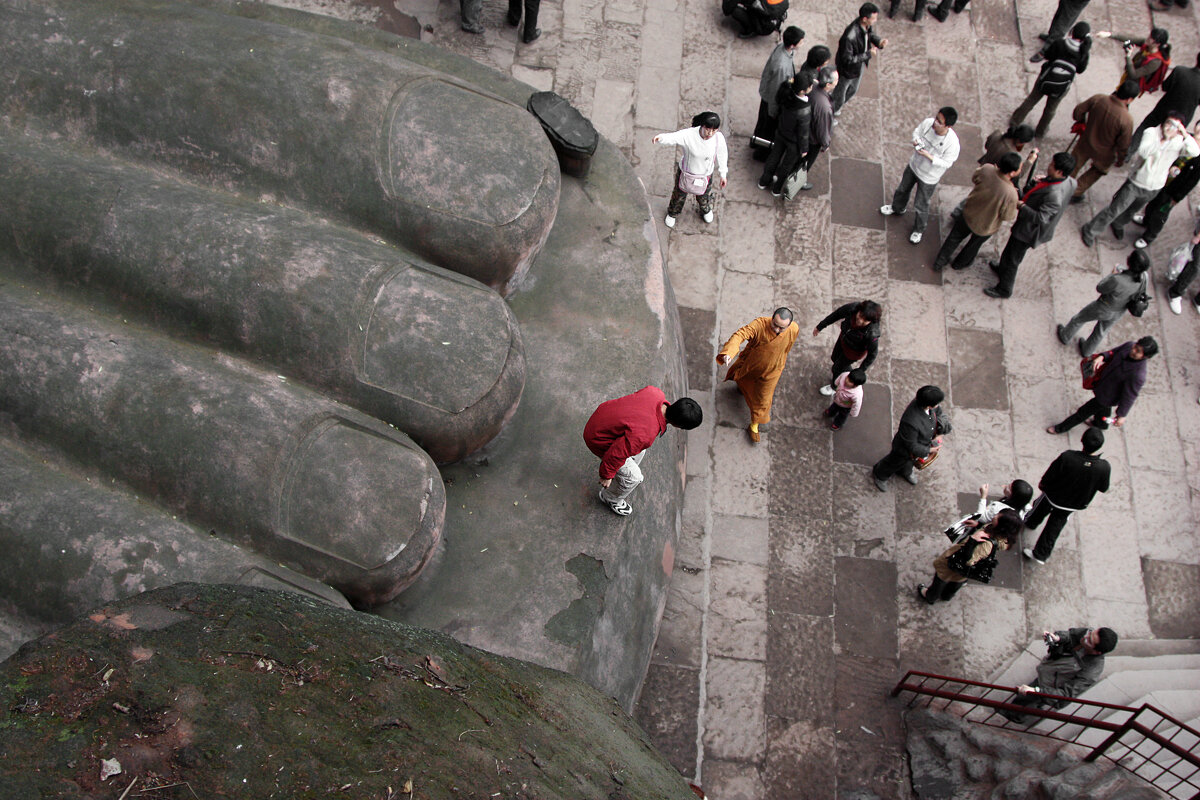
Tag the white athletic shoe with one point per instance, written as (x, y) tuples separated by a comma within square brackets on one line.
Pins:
[(670, 221), (886, 210), (1176, 304), (828, 390), (1141, 244), (915, 237), (1139, 218), (709, 217)]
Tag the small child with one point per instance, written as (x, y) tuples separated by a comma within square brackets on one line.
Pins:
[(847, 399)]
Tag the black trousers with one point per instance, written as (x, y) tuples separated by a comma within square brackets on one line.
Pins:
[(840, 362), (1056, 519), (896, 462), (939, 589), (1064, 17), (1092, 408), (1010, 261), (959, 231), (1157, 211), (531, 13), (918, 9)]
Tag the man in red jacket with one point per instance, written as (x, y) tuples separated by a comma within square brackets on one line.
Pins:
[(620, 431)]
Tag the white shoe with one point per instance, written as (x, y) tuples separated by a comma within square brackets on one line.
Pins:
[(709, 217), (886, 210), (837, 113), (835, 122), (828, 390), (1139, 219), (1176, 304), (1028, 553), (1196, 305), (670, 221), (1141, 244), (914, 237)]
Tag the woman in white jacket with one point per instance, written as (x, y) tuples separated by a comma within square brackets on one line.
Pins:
[(704, 152)]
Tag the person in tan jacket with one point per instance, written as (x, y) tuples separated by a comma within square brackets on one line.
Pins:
[(757, 367), (1107, 131), (993, 201)]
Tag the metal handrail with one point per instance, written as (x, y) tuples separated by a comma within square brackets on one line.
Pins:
[(1116, 730)]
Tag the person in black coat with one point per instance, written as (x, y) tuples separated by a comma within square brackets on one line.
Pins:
[(1069, 484), (919, 434), (858, 339), (1123, 374), (855, 48), (1181, 94), (791, 133)]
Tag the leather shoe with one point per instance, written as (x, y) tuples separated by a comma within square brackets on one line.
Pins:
[(529, 37), (992, 291), (1087, 238), (880, 485), (1119, 233), (1037, 58), (921, 593), (472, 28), (1061, 332), (994, 267), (1082, 352), (1045, 37), (938, 14)]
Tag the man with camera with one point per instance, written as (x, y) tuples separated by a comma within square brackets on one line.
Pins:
[(1074, 662)]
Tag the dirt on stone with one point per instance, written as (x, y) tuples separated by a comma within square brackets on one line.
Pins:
[(221, 691)]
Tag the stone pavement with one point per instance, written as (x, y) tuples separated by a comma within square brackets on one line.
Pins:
[(791, 611)]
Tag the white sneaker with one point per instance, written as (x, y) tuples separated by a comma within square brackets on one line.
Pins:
[(670, 221), (835, 122), (886, 210), (828, 390), (1139, 218), (915, 237), (1196, 305), (1028, 553), (1176, 304), (1141, 244), (709, 217), (837, 113)]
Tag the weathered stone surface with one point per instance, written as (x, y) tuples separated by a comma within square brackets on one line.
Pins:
[(315, 485), (353, 126), (1172, 597), (203, 685), (210, 266)]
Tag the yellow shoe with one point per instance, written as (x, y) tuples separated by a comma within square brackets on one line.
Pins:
[(754, 434)]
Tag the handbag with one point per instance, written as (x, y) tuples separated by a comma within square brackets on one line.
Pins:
[(1089, 370), (690, 182), (793, 183), (982, 570), (960, 530), (1138, 304), (1179, 259)]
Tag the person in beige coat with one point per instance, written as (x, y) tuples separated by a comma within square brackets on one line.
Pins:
[(999, 534), (993, 201)]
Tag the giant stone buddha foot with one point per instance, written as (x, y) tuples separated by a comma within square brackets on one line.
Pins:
[(261, 273)]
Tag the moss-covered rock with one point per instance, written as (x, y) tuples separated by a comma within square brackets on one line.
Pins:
[(215, 691)]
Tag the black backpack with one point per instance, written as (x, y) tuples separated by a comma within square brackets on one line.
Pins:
[(1055, 78)]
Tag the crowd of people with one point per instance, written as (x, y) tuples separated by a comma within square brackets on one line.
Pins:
[(799, 108)]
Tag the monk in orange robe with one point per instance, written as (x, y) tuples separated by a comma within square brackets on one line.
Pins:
[(758, 367)]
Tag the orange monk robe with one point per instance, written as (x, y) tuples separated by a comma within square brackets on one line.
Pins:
[(759, 366)]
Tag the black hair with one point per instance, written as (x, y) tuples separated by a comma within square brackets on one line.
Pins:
[(1159, 35), (870, 310), (867, 9), (1064, 163), (783, 312), (858, 376), (1198, 59), (929, 396), (707, 119), (684, 413), (825, 75), (1081, 31), (1006, 525), (1108, 640), (1127, 90), (950, 114), (1092, 440), (1138, 262), (1019, 494), (792, 36), (1020, 133), (818, 56), (1009, 162), (1149, 346)]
